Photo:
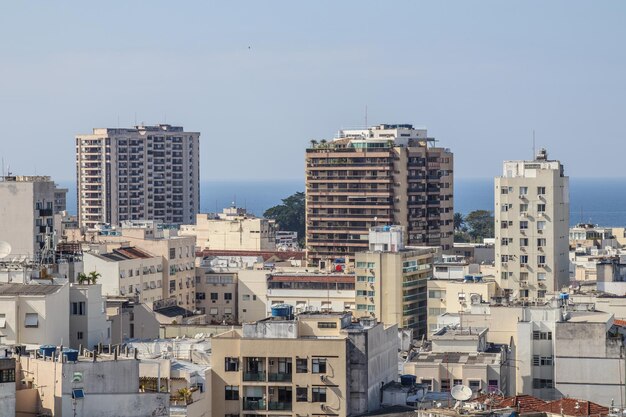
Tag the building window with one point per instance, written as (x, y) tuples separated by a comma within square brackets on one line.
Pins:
[(319, 394), (428, 383), (523, 293), (541, 276), (523, 259), (457, 382), (228, 296), (302, 394), (172, 253), (541, 241), (523, 276), (523, 225), (541, 190), (523, 190), (301, 366), (7, 375), (231, 364), (78, 308), (541, 259), (541, 208), (540, 383), (541, 225), (474, 385), (245, 297), (31, 320), (231, 392), (445, 385), (537, 335), (326, 325), (436, 294), (361, 306), (523, 207), (541, 293), (79, 335), (493, 384), (214, 296), (3, 321), (318, 365)]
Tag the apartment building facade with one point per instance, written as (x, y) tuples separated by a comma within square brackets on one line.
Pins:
[(27, 211), (145, 172), (129, 272), (307, 291), (391, 280), (383, 175), (531, 227), (233, 229), (316, 364)]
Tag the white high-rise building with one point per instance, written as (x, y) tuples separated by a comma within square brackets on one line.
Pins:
[(531, 227), (146, 172), (27, 208)]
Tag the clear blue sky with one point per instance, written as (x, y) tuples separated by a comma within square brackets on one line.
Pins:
[(260, 79)]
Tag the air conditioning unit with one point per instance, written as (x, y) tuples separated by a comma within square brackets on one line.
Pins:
[(523, 265), (524, 214), (540, 248), (323, 378), (541, 214), (541, 265), (523, 284)]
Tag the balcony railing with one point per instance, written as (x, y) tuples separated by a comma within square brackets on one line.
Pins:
[(254, 376), (281, 406), (253, 404), (279, 377)]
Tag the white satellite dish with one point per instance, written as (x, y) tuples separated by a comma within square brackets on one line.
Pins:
[(461, 392), (5, 249)]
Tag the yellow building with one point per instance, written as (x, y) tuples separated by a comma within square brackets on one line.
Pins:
[(391, 280), (315, 364)]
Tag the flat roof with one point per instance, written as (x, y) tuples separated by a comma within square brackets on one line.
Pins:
[(29, 289)]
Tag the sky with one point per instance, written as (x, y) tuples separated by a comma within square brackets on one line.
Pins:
[(260, 79)]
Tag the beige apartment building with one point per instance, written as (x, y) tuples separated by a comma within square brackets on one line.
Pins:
[(145, 172), (177, 253), (129, 272), (383, 175), (532, 225), (27, 211), (216, 295), (315, 364), (233, 229), (391, 280)]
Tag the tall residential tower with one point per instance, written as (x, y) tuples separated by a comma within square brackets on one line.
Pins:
[(147, 172), (383, 175), (531, 227)]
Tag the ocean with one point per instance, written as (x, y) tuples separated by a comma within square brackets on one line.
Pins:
[(592, 200)]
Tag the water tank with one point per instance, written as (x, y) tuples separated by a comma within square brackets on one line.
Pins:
[(468, 278), (47, 350), (478, 278), (71, 355), (563, 296), (408, 380), (282, 310)]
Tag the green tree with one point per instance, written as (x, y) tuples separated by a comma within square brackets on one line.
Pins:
[(93, 277), (459, 222), (480, 224), (290, 215), (82, 278)]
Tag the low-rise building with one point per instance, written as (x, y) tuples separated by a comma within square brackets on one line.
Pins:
[(216, 294), (311, 291), (233, 229), (104, 386), (7, 387), (461, 356), (128, 271), (315, 364), (34, 314), (88, 322)]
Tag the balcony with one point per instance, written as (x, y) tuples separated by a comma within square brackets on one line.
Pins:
[(254, 376), (253, 404)]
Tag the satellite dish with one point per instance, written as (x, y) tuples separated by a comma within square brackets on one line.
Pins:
[(5, 249), (461, 392)]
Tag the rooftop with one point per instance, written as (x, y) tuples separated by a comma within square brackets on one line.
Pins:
[(28, 289), (125, 253), (485, 358), (311, 277)]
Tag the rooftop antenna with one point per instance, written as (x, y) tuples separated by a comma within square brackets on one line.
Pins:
[(534, 154), (366, 116), (135, 118)]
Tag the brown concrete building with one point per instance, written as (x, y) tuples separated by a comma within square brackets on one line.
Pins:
[(384, 175)]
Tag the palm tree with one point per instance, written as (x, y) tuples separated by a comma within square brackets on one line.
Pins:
[(93, 276), (82, 278), (185, 394)]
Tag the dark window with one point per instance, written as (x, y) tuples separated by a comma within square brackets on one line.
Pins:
[(457, 382), (231, 364), (301, 366), (231, 392), (302, 394), (445, 385), (7, 375), (228, 296), (327, 325), (213, 296), (79, 336), (319, 394), (318, 365), (172, 253)]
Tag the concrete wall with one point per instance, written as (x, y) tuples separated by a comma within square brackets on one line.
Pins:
[(231, 234), (93, 323), (253, 284), (7, 399)]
